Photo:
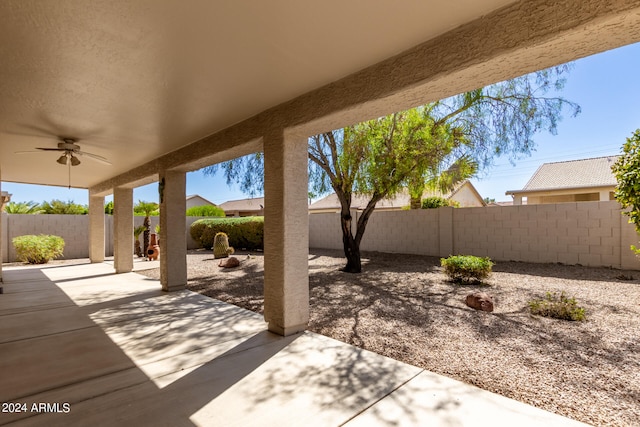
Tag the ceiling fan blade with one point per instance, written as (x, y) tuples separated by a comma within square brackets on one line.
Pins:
[(25, 152), (50, 149), (94, 157)]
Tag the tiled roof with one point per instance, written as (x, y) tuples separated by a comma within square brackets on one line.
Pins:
[(254, 204), (359, 201), (571, 174)]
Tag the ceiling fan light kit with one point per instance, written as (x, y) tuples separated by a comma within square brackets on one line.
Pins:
[(70, 151)]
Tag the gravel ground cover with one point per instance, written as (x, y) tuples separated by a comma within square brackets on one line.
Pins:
[(403, 306)]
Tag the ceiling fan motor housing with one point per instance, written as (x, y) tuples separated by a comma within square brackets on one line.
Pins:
[(67, 145)]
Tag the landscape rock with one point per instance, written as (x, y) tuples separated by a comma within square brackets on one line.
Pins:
[(480, 301), (230, 262)]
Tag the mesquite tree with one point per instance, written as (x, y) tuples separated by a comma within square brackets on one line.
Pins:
[(627, 172), (435, 145)]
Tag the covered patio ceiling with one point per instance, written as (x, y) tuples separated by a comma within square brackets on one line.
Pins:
[(135, 80)]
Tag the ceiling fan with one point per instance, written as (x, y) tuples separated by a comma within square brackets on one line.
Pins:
[(70, 152)]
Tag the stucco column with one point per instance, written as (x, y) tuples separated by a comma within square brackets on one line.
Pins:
[(604, 195), (96, 228), (286, 234), (123, 229), (517, 200), (1, 243), (173, 224)]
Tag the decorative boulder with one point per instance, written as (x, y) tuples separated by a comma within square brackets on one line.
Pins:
[(229, 262), (480, 301)]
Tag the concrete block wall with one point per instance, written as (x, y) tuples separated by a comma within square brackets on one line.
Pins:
[(191, 244), (587, 233), (416, 231), (3, 240), (74, 229), (325, 231)]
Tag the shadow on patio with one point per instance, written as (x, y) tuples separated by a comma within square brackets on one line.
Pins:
[(118, 351)]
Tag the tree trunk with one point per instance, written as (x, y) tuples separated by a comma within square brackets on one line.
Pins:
[(415, 203), (351, 247), (416, 190), (136, 248), (145, 235)]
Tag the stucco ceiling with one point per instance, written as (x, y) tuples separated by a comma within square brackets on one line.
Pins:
[(134, 80)]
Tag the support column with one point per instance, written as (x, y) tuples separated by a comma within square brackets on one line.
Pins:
[(123, 229), (604, 195), (173, 224), (96, 228), (1, 243), (286, 234)]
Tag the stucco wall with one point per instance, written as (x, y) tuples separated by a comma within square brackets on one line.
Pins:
[(467, 197), (587, 233), (197, 201)]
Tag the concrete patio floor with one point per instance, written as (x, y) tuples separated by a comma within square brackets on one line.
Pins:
[(114, 350)]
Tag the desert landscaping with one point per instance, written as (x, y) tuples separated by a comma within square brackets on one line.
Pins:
[(404, 307)]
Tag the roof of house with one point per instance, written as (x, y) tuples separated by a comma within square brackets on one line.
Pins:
[(255, 204), (593, 172), (193, 196), (359, 201)]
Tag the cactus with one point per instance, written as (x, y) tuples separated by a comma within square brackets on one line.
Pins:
[(221, 248)]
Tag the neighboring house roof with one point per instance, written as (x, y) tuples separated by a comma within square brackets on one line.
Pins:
[(401, 199), (255, 204), (358, 201), (583, 173), (194, 196)]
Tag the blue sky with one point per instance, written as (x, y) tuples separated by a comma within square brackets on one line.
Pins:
[(606, 86)]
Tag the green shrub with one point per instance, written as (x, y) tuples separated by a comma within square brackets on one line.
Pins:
[(58, 207), (466, 268), (206, 210), (244, 232), (38, 249), (434, 202), (558, 307)]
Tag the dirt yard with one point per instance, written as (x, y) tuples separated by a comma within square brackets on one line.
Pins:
[(403, 306)]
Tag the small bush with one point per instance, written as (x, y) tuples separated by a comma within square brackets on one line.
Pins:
[(466, 268), (434, 202), (38, 249), (244, 232), (558, 307), (206, 210)]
